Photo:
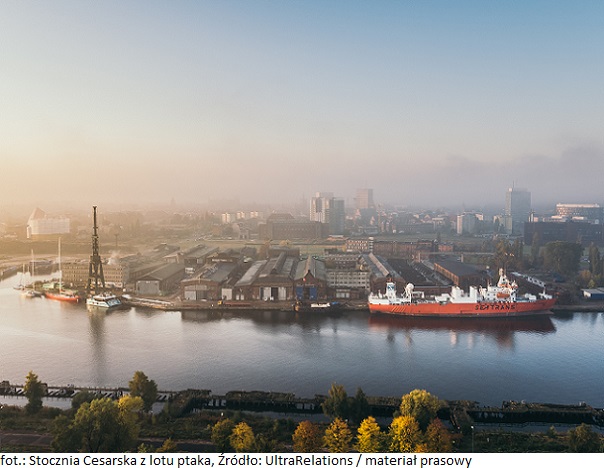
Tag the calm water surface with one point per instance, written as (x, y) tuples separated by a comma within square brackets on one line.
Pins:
[(557, 359)]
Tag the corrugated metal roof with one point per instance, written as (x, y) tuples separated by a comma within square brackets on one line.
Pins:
[(218, 272), (378, 266), (164, 272), (315, 267), (251, 274), (459, 268)]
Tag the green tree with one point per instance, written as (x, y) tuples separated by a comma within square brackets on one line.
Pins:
[(242, 438), (130, 409), (420, 404), (307, 437), (507, 256), (34, 391), (338, 437), (563, 257), (336, 404), (359, 407), (141, 386), (80, 398), (266, 444), (583, 439), (169, 446), (145, 448), (369, 436), (595, 260), (404, 434), (221, 432), (65, 439), (518, 255), (438, 439), (99, 426), (535, 249)]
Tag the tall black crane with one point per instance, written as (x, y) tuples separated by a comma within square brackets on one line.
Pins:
[(95, 267)]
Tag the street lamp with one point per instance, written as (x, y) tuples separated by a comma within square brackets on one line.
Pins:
[(472, 438)]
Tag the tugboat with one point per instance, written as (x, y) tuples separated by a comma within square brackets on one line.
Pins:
[(493, 301)]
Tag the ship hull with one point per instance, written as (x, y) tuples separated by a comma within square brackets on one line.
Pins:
[(62, 297), (471, 309)]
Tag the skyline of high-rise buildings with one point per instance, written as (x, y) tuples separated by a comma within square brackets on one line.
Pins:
[(364, 199), (517, 209), (327, 209)]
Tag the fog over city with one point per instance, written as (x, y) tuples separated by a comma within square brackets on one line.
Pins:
[(429, 103)]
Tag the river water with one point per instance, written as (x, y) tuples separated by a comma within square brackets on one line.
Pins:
[(553, 359)]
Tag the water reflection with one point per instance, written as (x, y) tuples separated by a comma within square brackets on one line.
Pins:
[(538, 324), (488, 360), (96, 320), (270, 319), (501, 330)]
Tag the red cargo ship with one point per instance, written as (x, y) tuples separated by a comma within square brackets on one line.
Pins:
[(493, 301)]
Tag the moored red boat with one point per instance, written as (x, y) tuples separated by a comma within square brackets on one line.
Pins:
[(63, 295), (493, 301)]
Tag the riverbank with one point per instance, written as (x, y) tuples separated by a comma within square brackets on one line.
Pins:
[(353, 305)]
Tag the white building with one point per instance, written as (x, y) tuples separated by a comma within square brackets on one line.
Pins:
[(40, 224), (467, 223)]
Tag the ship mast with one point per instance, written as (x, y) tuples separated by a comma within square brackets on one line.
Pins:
[(95, 267)]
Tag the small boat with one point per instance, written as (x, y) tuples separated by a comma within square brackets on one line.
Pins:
[(31, 293), (103, 301), (317, 307)]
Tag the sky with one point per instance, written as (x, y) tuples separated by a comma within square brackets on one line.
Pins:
[(432, 103)]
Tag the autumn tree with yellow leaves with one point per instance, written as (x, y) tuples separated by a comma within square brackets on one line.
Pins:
[(338, 437)]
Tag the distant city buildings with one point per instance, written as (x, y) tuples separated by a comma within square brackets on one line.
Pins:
[(326, 209), (592, 213), (517, 210), (468, 223), (364, 199), (570, 231), (283, 226), (40, 225), (233, 217), (366, 213), (572, 223)]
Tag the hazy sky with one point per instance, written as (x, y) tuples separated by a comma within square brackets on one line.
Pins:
[(432, 102)]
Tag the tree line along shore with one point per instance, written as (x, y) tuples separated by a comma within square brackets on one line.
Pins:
[(196, 420)]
